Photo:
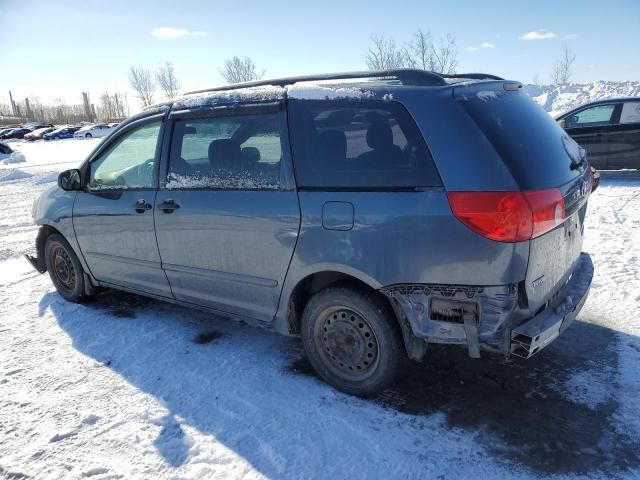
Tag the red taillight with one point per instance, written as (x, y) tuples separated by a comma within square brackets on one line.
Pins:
[(509, 216), (548, 210)]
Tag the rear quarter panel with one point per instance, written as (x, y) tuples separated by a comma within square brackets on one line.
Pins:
[(398, 237)]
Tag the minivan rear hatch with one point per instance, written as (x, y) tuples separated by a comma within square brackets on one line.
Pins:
[(540, 156)]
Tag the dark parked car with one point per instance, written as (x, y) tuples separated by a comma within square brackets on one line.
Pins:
[(15, 133), (413, 216), (60, 133), (609, 130)]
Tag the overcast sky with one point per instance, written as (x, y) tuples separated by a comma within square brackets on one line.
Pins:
[(51, 49)]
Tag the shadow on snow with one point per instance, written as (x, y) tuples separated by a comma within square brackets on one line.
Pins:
[(519, 410)]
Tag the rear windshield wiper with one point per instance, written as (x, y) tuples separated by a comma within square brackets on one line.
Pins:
[(575, 165)]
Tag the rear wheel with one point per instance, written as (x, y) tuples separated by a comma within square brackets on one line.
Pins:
[(64, 268), (352, 341)]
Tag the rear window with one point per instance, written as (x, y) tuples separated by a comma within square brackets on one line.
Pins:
[(358, 144), (536, 150)]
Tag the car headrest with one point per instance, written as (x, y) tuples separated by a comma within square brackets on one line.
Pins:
[(379, 136), (225, 153), (333, 144), (251, 155)]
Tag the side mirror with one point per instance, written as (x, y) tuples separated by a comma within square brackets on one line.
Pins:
[(562, 123), (69, 180)]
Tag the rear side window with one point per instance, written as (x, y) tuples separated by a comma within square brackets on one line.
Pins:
[(237, 152), (358, 144)]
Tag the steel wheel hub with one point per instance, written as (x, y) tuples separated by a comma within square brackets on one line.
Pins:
[(63, 269), (348, 342)]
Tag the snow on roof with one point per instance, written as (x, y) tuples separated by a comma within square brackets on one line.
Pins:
[(258, 94), (303, 90), (325, 92)]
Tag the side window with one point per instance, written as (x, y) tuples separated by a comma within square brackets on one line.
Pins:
[(591, 117), (358, 144), (129, 162), (235, 152), (630, 112)]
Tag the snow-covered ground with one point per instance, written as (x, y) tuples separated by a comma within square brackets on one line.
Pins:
[(125, 387), (559, 99)]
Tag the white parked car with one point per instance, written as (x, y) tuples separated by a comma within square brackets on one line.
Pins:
[(95, 131)]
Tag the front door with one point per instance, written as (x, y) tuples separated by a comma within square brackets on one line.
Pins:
[(113, 217), (227, 217), (591, 128)]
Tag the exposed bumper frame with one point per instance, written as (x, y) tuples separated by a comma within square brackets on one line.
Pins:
[(487, 318), (533, 335)]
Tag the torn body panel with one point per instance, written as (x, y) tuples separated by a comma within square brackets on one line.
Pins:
[(489, 318), (455, 314)]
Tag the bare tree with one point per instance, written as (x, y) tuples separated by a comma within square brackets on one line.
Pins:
[(142, 82), (563, 68), (112, 107), (420, 52), (167, 80), (535, 79), (446, 55), (384, 54), (237, 70)]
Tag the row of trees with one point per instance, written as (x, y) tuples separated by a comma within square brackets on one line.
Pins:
[(111, 106), (146, 85), (419, 51), (422, 52)]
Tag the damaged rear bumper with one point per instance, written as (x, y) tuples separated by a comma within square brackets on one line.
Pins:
[(533, 335), (488, 318)]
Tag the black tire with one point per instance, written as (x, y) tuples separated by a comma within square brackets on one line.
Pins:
[(88, 135), (64, 268), (352, 340)]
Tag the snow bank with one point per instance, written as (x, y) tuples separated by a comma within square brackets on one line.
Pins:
[(40, 155), (47, 178), (559, 99), (11, 175), (13, 157)]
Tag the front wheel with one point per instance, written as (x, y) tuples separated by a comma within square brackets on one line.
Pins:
[(88, 135), (64, 268), (352, 340)]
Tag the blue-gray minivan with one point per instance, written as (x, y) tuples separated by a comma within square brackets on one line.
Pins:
[(371, 213)]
